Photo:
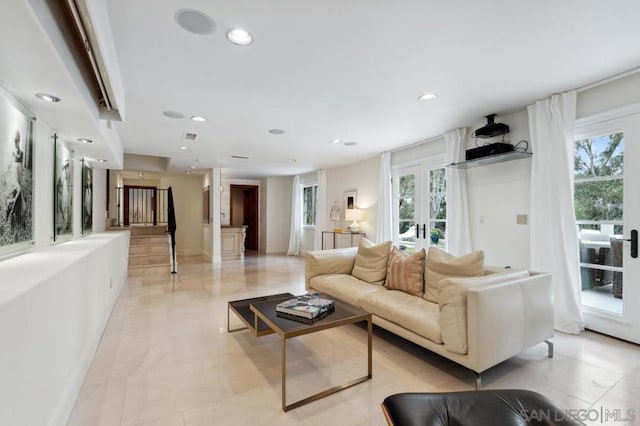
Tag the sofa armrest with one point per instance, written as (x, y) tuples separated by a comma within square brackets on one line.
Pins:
[(506, 318), (321, 262)]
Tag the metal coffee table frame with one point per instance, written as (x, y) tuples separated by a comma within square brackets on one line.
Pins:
[(259, 315)]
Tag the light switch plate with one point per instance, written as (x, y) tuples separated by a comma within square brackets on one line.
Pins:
[(521, 219)]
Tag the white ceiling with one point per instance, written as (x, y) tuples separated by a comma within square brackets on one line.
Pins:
[(348, 69)]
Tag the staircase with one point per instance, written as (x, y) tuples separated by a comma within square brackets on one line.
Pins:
[(148, 250)]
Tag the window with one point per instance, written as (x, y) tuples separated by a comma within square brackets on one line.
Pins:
[(309, 202)]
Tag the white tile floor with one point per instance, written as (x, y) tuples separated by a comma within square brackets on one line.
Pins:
[(166, 359)]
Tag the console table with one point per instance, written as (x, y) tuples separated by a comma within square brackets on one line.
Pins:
[(332, 239)]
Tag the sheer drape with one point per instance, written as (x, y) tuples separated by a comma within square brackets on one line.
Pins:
[(458, 229), (321, 210), (384, 231), (554, 246), (296, 218)]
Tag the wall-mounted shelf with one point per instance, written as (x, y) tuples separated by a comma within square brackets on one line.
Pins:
[(492, 159)]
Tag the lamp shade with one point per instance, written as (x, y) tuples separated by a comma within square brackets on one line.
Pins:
[(354, 214)]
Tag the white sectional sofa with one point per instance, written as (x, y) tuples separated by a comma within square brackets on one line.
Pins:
[(478, 321)]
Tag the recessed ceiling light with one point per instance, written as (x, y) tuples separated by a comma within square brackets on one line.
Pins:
[(239, 37), (193, 167), (198, 118), (173, 114), (427, 97), (336, 141), (47, 97), (194, 21), (350, 144), (276, 131), (292, 160), (188, 172), (85, 140), (183, 147), (101, 160)]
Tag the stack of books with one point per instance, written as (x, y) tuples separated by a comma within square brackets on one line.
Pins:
[(308, 308)]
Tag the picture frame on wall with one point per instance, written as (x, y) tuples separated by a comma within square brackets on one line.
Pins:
[(350, 199), (16, 175), (206, 196), (62, 191), (87, 197)]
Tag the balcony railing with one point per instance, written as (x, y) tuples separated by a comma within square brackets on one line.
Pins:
[(141, 206)]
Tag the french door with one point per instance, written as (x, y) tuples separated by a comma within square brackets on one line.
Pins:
[(607, 206), (420, 206)]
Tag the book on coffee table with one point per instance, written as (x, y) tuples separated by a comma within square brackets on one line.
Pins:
[(309, 306), (304, 319)]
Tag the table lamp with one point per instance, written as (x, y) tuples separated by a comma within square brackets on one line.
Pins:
[(355, 215)]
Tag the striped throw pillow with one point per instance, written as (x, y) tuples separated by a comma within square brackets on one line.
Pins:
[(406, 272)]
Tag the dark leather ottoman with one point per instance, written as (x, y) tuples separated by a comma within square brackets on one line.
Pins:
[(474, 408)]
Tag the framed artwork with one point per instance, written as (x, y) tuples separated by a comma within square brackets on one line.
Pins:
[(16, 176), (350, 199), (62, 191), (206, 196), (87, 198)]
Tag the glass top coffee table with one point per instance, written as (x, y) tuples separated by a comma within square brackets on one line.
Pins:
[(259, 315)]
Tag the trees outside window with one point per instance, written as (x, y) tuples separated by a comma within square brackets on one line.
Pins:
[(309, 202)]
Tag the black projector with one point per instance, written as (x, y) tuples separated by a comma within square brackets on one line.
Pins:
[(487, 150)]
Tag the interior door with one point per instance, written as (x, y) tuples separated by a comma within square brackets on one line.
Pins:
[(251, 217), (609, 274)]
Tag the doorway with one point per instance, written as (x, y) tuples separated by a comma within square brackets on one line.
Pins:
[(607, 207), (420, 206), (244, 212)]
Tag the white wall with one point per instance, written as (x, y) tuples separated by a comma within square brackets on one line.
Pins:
[(278, 214), (497, 193), (54, 305), (55, 300), (187, 198)]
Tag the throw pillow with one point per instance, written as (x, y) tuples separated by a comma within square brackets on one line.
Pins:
[(406, 272), (441, 265), (371, 261)]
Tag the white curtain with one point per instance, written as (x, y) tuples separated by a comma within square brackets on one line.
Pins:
[(296, 218), (458, 229), (321, 210), (554, 239), (384, 231)]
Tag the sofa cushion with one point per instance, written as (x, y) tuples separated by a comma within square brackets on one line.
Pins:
[(411, 312), (453, 305), (344, 287), (406, 272), (441, 264), (371, 261)]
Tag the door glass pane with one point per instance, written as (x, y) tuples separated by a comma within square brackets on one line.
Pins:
[(407, 213), (598, 201), (407, 236), (437, 208)]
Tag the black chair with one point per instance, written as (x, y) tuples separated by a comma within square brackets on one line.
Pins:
[(474, 408)]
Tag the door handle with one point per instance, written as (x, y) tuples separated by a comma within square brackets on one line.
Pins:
[(417, 231), (634, 243), (424, 231)]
